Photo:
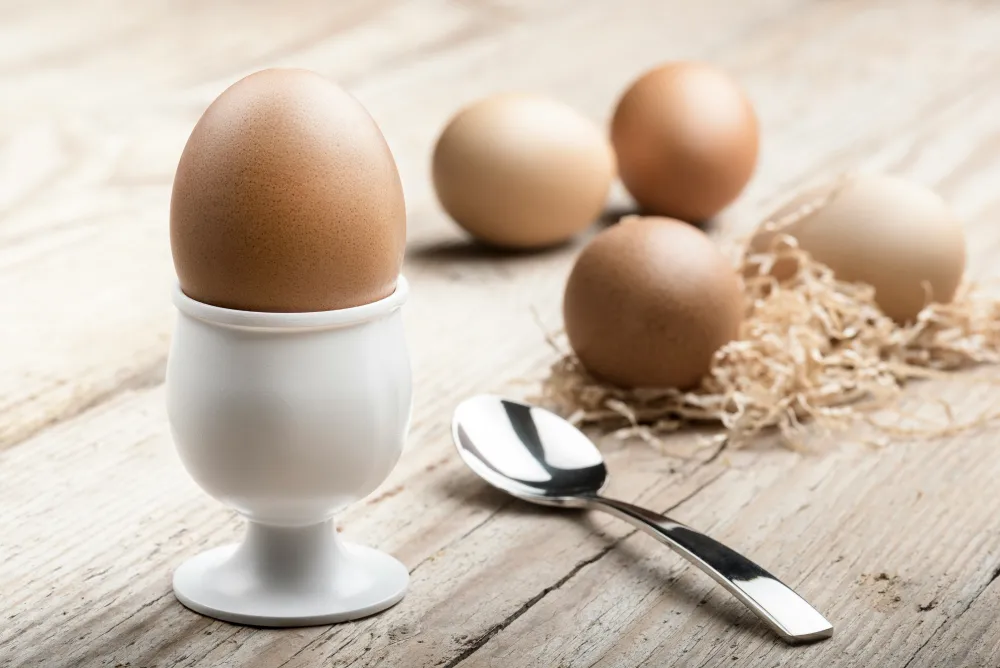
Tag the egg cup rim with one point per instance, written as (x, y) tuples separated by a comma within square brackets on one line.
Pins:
[(354, 315)]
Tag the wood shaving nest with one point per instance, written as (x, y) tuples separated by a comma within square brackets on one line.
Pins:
[(811, 349)]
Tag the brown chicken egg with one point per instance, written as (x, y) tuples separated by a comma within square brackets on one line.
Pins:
[(522, 171), (649, 302), (894, 235), (287, 199), (686, 139)]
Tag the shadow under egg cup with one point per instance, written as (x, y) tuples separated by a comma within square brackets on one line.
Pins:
[(289, 417)]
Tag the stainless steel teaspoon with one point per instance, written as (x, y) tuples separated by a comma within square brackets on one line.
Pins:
[(539, 457)]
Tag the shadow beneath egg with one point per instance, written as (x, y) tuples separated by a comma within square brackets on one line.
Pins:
[(613, 214), (471, 251), (708, 226)]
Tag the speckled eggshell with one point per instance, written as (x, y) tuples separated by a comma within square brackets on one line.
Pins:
[(649, 302), (287, 199)]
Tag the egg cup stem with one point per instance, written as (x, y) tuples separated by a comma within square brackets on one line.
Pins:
[(290, 576)]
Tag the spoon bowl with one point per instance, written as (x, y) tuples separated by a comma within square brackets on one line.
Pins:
[(549, 464)]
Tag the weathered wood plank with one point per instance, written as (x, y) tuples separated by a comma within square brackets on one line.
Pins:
[(97, 511)]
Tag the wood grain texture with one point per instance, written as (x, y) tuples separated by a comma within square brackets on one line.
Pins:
[(899, 545)]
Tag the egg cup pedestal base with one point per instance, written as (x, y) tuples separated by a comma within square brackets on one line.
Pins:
[(290, 576)]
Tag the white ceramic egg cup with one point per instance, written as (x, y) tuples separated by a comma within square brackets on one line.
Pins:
[(288, 417)]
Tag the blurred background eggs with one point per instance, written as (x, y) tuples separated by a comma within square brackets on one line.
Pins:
[(686, 139), (649, 302), (286, 198), (522, 171), (895, 235)]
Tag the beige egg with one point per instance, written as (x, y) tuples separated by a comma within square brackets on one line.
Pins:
[(649, 302), (522, 171), (686, 139), (895, 235), (287, 199)]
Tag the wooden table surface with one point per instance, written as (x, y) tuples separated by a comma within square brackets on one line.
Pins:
[(898, 545)]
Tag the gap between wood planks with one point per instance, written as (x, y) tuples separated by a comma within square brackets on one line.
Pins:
[(475, 645), (950, 620)]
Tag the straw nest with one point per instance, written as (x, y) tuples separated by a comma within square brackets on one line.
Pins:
[(812, 349)]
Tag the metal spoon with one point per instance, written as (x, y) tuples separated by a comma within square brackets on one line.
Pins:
[(539, 457)]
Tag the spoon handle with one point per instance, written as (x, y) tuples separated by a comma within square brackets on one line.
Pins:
[(778, 606)]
